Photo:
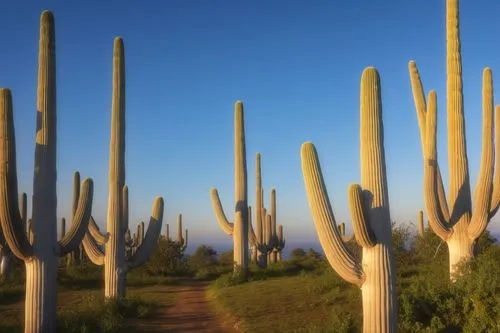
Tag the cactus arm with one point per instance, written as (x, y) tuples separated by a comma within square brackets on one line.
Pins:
[(362, 232), (92, 249), (79, 226), (421, 227), (252, 238), (95, 232), (495, 198), (10, 217), (344, 263), (147, 247), (185, 243), (482, 193), (436, 219), (420, 107), (226, 226)]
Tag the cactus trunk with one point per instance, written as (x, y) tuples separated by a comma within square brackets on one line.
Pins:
[(369, 207), (41, 283)]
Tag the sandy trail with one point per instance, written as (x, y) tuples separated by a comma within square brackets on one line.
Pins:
[(191, 313)]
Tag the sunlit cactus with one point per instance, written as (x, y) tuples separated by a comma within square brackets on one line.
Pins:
[(239, 228), (280, 243), (421, 226), (457, 218), (259, 240), (113, 257), (369, 206), (40, 255)]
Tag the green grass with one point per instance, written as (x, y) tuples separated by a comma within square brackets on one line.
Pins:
[(296, 304), (81, 306)]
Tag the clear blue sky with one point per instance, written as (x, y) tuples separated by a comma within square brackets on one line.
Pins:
[(295, 64)]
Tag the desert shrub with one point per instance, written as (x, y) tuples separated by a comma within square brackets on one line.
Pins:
[(167, 259), (94, 315)]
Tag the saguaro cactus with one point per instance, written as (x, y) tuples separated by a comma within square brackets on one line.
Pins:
[(421, 226), (369, 206), (113, 258), (40, 256), (183, 241), (455, 222), (238, 229), (5, 252), (280, 242)]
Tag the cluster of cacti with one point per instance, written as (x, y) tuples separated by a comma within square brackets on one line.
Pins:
[(239, 228), (40, 251), (457, 221), (114, 254), (369, 207), (182, 241), (262, 239)]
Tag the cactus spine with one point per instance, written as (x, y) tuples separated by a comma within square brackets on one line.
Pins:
[(113, 258), (369, 207), (454, 221), (40, 256), (239, 228)]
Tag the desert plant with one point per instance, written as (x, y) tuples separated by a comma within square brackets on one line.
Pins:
[(39, 255), (239, 228), (420, 223), (369, 207), (260, 238), (457, 222), (116, 265)]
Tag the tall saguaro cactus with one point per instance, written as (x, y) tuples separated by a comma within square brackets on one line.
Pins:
[(239, 228), (369, 207), (41, 254), (457, 222), (421, 226), (116, 265)]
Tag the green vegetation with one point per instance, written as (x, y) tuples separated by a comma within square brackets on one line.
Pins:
[(304, 294)]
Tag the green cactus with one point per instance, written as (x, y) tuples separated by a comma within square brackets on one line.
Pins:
[(457, 221), (238, 229), (116, 265), (369, 206), (39, 254)]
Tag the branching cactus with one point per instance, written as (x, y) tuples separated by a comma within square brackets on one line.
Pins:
[(369, 206), (41, 255), (456, 221), (260, 244), (116, 265), (239, 228), (280, 243)]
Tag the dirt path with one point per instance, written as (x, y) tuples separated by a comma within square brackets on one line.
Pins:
[(191, 312)]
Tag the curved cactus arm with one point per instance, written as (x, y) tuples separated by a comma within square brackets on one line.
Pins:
[(128, 238), (495, 198), (344, 263), (362, 232), (80, 222), (484, 186), (10, 217), (92, 249), (95, 232), (436, 219), (147, 247), (421, 106), (224, 223)]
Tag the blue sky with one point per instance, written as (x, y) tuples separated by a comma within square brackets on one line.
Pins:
[(295, 64)]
